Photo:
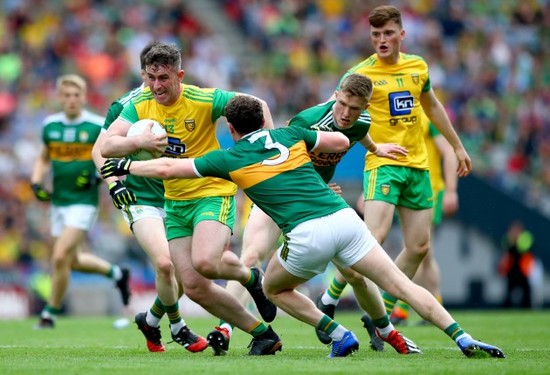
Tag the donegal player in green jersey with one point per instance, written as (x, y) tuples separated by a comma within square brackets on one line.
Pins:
[(274, 169), (199, 213), (402, 92), (142, 203), (68, 138)]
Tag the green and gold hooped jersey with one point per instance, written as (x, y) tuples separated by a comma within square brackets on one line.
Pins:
[(395, 107), (274, 170), (69, 144), (148, 191), (191, 127), (434, 157), (321, 117)]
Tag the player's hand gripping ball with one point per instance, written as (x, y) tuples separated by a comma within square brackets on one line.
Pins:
[(138, 128)]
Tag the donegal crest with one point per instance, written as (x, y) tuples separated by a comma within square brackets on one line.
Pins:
[(190, 125), (415, 78), (385, 189)]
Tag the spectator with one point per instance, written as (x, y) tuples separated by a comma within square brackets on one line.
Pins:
[(516, 265)]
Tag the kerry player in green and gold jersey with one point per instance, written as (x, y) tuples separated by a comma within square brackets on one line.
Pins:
[(274, 169), (402, 92), (346, 114), (68, 138), (200, 214)]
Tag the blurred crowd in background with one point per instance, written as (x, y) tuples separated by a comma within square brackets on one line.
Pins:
[(489, 62)]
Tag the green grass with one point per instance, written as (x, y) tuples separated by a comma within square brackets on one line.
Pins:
[(93, 346)]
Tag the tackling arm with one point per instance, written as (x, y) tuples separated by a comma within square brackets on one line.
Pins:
[(332, 142), (163, 168)]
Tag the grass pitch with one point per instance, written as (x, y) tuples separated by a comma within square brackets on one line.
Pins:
[(92, 346)]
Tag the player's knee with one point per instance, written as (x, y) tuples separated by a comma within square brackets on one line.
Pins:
[(164, 268), (251, 258), (270, 291), (355, 279), (206, 268), (419, 250), (200, 292), (62, 261)]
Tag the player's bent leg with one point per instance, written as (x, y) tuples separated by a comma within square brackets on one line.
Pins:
[(212, 262), (259, 242), (280, 287), (212, 297)]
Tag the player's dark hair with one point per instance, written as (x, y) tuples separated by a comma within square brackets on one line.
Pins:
[(357, 85), (383, 14), (245, 113), (144, 51), (162, 54)]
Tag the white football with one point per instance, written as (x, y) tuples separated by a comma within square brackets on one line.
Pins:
[(138, 128)]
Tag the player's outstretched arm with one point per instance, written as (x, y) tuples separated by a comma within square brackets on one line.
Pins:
[(163, 168)]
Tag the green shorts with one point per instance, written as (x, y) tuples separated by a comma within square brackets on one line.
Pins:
[(183, 216), (400, 186), (438, 207)]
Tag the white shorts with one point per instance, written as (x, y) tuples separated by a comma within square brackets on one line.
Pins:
[(81, 216), (341, 237), (133, 213)]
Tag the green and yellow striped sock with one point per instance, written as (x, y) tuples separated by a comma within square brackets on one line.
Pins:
[(327, 325), (335, 289), (389, 302), (157, 310), (259, 328), (454, 331)]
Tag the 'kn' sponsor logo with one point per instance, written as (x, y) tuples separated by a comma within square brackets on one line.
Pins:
[(401, 103)]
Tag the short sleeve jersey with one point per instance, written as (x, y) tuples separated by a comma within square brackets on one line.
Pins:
[(395, 107), (321, 117), (191, 127), (148, 191), (274, 170), (69, 144), (434, 157)]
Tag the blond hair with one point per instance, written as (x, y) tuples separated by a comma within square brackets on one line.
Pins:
[(357, 85), (71, 80)]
